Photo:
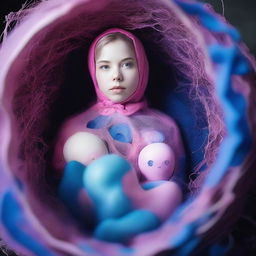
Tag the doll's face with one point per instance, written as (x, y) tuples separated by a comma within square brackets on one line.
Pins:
[(156, 161), (116, 70)]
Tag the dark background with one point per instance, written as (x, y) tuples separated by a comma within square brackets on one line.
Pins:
[(240, 13)]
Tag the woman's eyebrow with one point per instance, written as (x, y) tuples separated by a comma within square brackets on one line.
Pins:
[(105, 61), (129, 58)]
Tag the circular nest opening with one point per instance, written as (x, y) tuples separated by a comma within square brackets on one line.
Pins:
[(49, 81)]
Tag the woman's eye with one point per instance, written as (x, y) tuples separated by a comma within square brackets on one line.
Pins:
[(167, 162), (150, 163), (104, 67), (127, 65)]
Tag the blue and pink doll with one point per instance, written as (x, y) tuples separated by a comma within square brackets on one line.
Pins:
[(127, 155)]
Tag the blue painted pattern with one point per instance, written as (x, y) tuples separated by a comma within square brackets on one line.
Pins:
[(121, 132), (99, 122)]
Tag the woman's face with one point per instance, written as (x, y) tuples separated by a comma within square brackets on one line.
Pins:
[(116, 70)]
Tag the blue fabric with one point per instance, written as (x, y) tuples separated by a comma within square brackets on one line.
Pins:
[(17, 225), (118, 219), (237, 143), (183, 236), (121, 132), (194, 130), (87, 248), (103, 182), (122, 229), (127, 251), (70, 186), (217, 249), (152, 184), (19, 184), (99, 122), (188, 247), (208, 19)]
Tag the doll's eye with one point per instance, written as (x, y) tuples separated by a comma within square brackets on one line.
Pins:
[(166, 162), (150, 163)]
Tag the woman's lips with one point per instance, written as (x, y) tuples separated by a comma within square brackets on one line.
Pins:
[(117, 89)]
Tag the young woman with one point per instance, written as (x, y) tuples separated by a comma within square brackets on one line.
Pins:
[(122, 145)]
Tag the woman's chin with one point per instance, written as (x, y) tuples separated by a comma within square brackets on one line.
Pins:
[(117, 98)]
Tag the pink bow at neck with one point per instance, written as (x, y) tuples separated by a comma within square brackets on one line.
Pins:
[(108, 108)]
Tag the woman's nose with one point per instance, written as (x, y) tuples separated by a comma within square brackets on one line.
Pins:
[(117, 75)]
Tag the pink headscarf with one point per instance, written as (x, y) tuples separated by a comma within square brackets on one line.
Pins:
[(135, 101)]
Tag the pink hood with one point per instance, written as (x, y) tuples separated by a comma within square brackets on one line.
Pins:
[(133, 103)]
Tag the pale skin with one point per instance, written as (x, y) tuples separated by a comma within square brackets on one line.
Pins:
[(116, 70)]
